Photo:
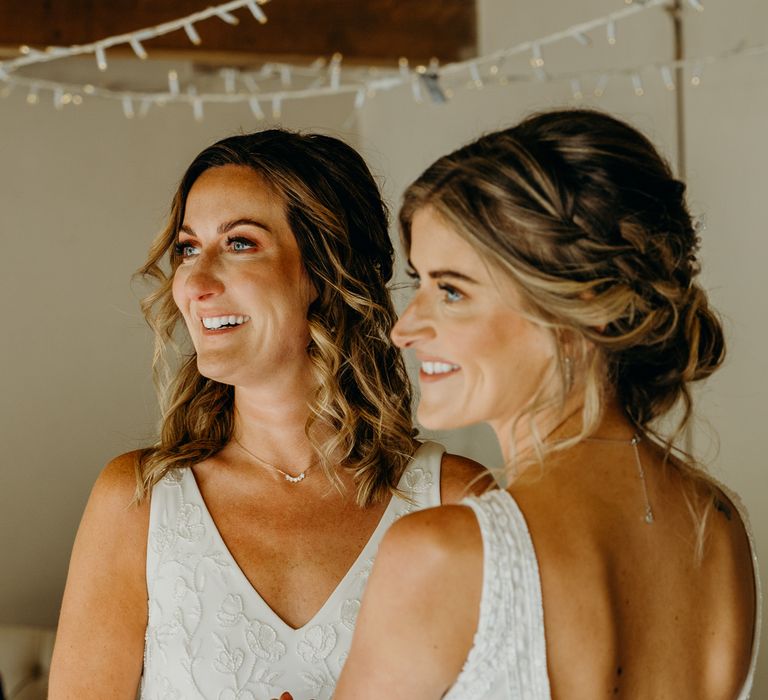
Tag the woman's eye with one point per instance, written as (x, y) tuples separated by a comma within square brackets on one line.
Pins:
[(186, 249), (241, 244), (451, 294), (415, 280)]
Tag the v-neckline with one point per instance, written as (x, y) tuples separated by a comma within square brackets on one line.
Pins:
[(250, 587)]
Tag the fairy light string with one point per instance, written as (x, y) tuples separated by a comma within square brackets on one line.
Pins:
[(323, 78)]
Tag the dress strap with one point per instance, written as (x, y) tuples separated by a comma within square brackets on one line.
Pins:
[(421, 478), (509, 650)]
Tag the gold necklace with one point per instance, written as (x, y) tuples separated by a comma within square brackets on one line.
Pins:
[(288, 477), (634, 441)]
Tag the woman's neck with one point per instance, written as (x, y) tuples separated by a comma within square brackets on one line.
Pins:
[(274, 428), (518, 439)]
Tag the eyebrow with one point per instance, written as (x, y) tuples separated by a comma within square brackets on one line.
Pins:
[(227, 226), (445, 274), (451, 274)]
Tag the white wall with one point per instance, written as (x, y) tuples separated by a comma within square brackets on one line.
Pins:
[(727, 152)]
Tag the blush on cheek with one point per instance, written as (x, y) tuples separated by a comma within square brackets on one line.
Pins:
[(177, 290)]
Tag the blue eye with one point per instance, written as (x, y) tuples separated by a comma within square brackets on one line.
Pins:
[(451, 294), (185, 249), (241, 244)]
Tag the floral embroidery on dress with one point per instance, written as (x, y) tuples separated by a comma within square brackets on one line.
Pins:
[(231, 610), (172, 476), (229, 660), (418, 481), (349, 612), (319, 683), (189, 524), (229, 694), (162, 539), (210, 636), (263, 642), (318, 642), (167, 692)]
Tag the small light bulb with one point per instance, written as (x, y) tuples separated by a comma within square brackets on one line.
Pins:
[(192, 34), (101, 59), (138, 49)]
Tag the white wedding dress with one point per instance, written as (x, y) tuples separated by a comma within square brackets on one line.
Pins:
[(210, 634), (508, 660)]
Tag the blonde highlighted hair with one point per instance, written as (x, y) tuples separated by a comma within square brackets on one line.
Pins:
[(585, 216), (360, 415)]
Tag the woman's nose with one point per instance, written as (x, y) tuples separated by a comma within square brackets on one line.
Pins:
[(204, 279), (412, 326)]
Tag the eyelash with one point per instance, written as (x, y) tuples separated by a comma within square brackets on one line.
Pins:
[(451, 294), (415, 279), (181, 246)]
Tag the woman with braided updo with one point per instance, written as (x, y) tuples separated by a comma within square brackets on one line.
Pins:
[(227, 561), (557, 299)]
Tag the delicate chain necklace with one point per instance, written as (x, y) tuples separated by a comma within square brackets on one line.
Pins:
[(634, 441), (288, 477)]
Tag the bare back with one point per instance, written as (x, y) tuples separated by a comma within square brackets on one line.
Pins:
[(628, 610)]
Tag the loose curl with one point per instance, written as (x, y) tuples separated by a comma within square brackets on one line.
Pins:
[(360, 416), (586, 217)]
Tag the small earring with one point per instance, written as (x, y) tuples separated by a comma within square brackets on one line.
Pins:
[(568, 372)]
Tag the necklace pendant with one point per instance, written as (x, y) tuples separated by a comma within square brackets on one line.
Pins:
[(295, 479), (648, 516)]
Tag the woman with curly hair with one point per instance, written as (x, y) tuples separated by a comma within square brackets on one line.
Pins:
[(228, 560), (557, 299)]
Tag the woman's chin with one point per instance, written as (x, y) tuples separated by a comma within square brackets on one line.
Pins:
[(441, 420)]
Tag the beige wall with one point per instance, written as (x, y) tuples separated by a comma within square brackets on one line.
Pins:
[(83, 191)]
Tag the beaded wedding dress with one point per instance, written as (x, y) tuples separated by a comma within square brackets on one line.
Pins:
[(508, 660)]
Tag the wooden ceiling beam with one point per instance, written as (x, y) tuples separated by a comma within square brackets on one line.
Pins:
[(363, 31)]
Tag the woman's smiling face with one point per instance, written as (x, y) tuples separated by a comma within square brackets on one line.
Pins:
[(240, 284), (481, 358)]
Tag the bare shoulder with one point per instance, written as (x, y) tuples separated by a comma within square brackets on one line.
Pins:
[(461, 476), (729, 534), (113, 501), (99, 642), (444, 540), (116, 484), (420, 609), (113, 523), (726, 529)]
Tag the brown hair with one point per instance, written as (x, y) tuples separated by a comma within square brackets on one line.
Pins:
[(586, 217), (334, 208)]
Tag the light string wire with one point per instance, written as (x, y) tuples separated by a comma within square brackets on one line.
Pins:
[(534, 45), (329, 79), (362, 81), (134, 39), (664, 68), (37, 84)]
